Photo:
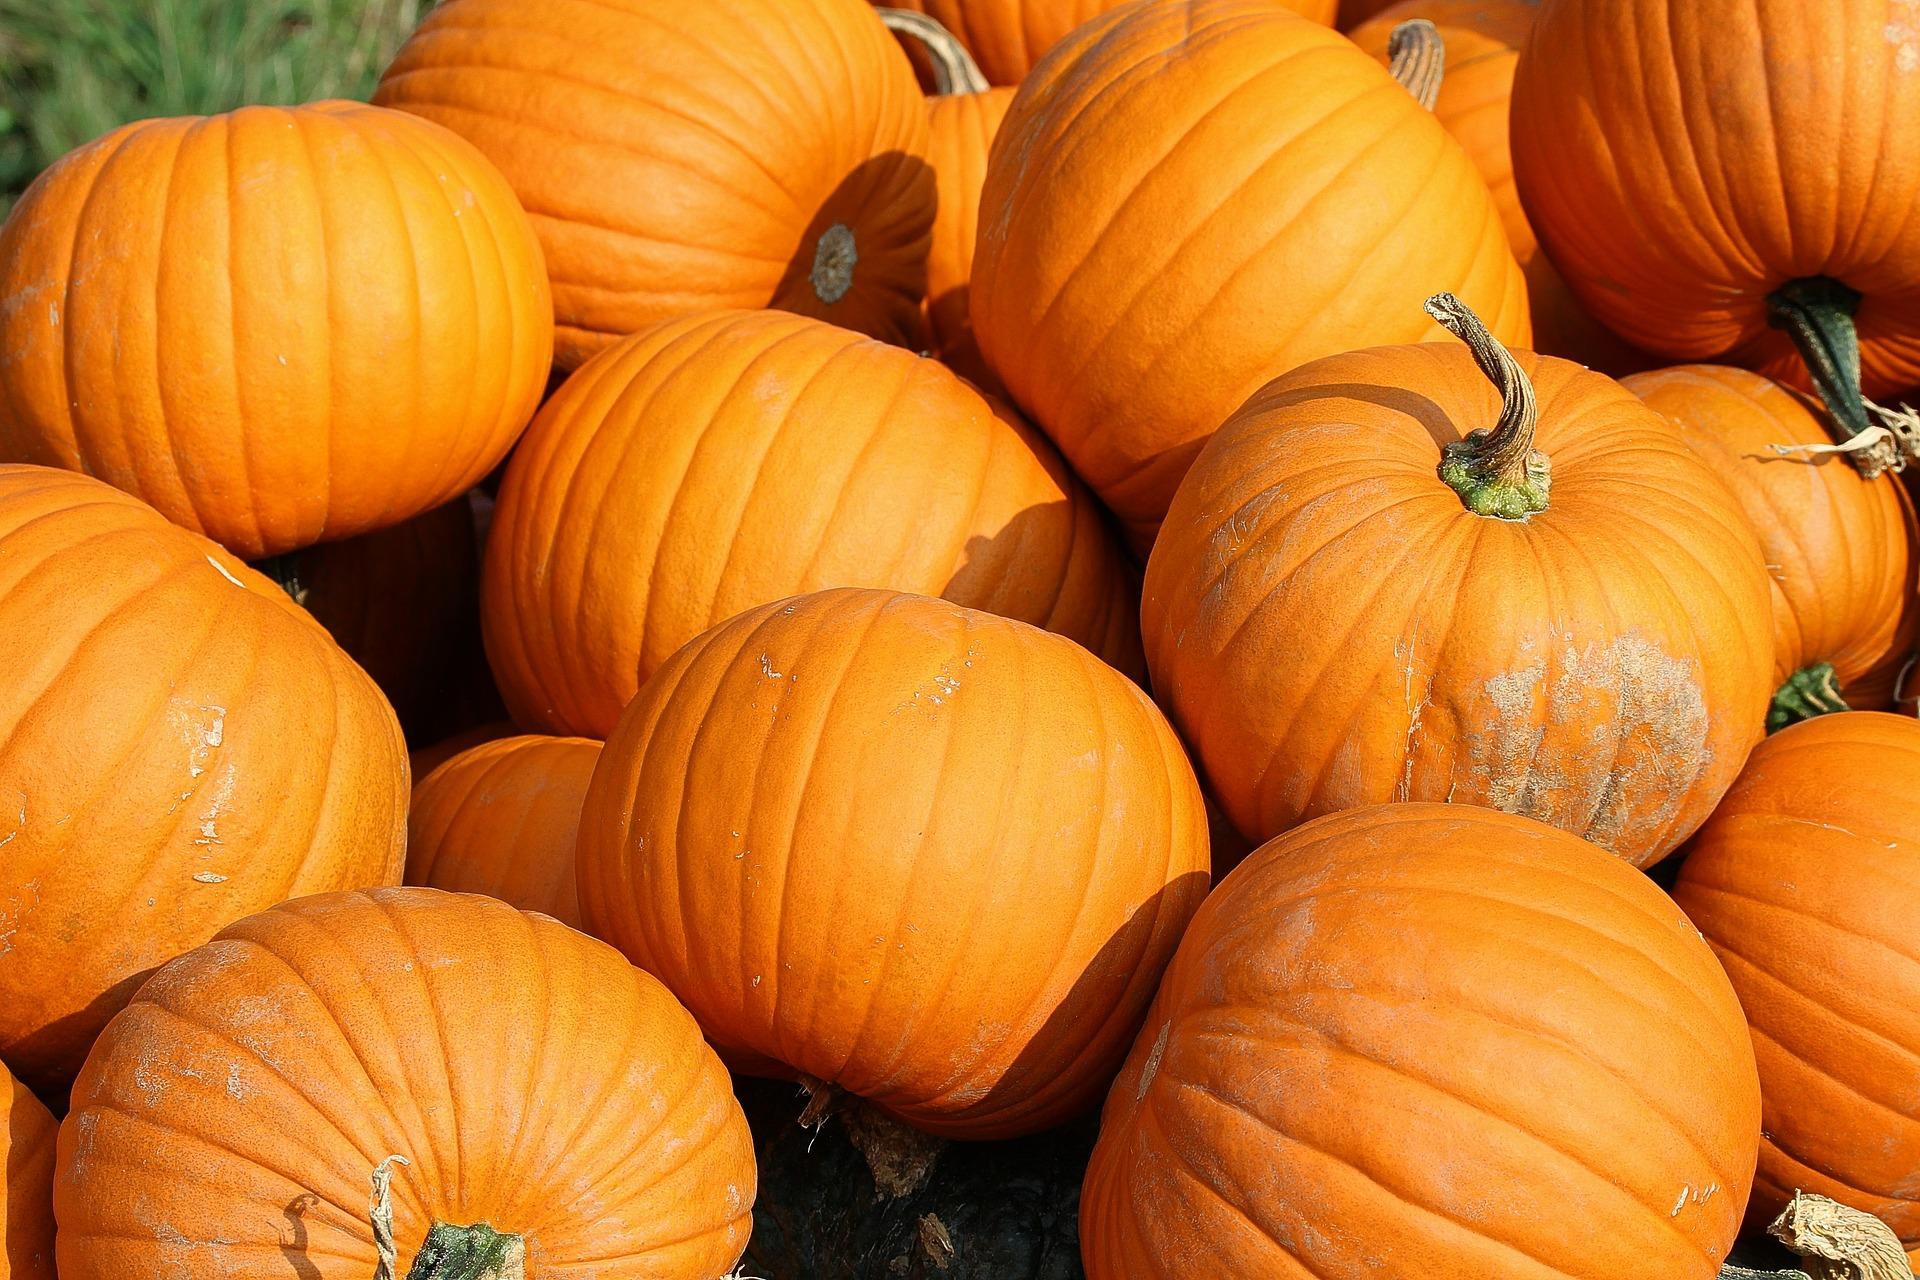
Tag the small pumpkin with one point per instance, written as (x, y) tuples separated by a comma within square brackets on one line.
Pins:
[(953, 853), (500, 819), (1803, 883), (1462, 1042), (279, 326), (683, 157), (26, 1184), (180, 744), (553, 1109), (1191, 198), (1840, 548), (719, 462), (1448, 572)]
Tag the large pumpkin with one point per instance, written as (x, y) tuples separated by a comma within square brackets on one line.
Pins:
[(1387, 580), (1190, 198), (500, 819), (279, 326), (718, 462), (1840, 548), (26, 1183), (180, 744), (537, 1086), (1804, 883), (680, 156), (1435, 1041), (951, 854), (1729, 179)]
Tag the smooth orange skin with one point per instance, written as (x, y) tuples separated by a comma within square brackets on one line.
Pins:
[(500, 819), (26, 1184), (680, 157), (722, 461), (1191, 198), (1436, 1041), (1840, 549), (1682, 159), (229, 1119), (1804, 883), (180, 744), (960, 129), (1330, 626), (952, 854), (279, 326)]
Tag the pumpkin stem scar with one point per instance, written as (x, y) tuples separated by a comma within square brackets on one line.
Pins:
[(1817, 313), (477, 1252), (1839, 1243), (1496, 472), (1809, 692), (834, 259), (1418, 59), (954, 70)]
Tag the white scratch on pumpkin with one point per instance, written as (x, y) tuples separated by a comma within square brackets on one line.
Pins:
[(222, 571)]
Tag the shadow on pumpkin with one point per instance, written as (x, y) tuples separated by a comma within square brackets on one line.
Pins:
[(48, 1060), (862, 261), (294, 1246)]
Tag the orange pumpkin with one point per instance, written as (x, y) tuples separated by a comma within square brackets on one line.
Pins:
[(683, 157), (1730, 180), (1193, 197), (180, 744), (500, 819), (722, 461), (1840, 548), (279, 326), (551, 1104), (953, 853), (26, 1184), (1803, 882), (1430, 1040), (1394, 575)]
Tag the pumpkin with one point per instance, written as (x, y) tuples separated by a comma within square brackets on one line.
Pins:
[(952, 851), (722, 461), (1732, 180), (26, 1184), (1840, 548), (684, 157), (1446, 572), (550, 1105), (1430, 1040), (500, 818), (1803, 883), (279, 326), (1191, 198), (180, 744), (425, 760)]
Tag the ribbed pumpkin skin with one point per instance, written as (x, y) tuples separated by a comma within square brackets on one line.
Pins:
[(1682, 159), (1190, 198), (1804, 882), (229, 1119), (278, 326), (1332, 628), (500, 819), (954, 853), (723, 461), (960, 129), (1840, 549), (680, 157), (26, 1184), (180, 744), (1429, 1040)]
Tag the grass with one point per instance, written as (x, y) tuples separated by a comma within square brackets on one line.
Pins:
[(70, 70)]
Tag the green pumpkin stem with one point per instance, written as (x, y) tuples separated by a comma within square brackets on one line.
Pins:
[(477, 1252), (954, 70), (1731, 1272), (1817, 313), (1497, 472), (1809, 692), (1417, 57)]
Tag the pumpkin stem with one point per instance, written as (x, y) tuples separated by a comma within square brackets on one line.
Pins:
[(380, 1214), (1731, 1272), (1839, 1243), (954, 70), (477, 1252), (1817, 313), (284, 569), (1418, 59), (1809, 692), (1496, 472), (822, 1100)]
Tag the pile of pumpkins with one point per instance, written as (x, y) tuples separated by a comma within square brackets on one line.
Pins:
[(866, 516)]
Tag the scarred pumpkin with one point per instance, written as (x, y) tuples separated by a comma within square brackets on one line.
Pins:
[(26, 1183), (279, 326)]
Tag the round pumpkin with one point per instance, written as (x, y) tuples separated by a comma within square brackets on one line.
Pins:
[(280, 326), (26, 1184), (1840, 548), (500, 819), (1444, 572), (1728, 180), (952, 854), (722, 461), (1803, 882), (180, 744), (681, 157), (1191, 198), (1437, 1041), (551, 1103)]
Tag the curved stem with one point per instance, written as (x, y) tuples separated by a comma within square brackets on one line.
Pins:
[(1418, 59), (380, 1214), (954, 70), (1839, 1243), (1817, 313), (1496, 472), (1809, 692)]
